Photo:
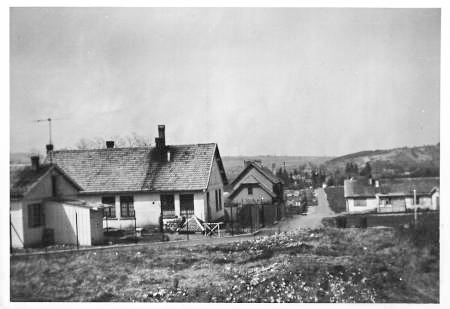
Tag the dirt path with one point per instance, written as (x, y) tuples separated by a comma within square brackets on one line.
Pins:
[(313, 217)]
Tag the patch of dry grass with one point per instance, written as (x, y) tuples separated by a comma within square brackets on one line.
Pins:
[(326, 265)]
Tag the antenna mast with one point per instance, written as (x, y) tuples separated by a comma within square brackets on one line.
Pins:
[(49, 128)]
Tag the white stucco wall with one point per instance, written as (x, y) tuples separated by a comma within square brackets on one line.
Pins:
[(32, 235), (64, 220), (147, 207), (398, 204), (371, 203), (44, 188), (17, 224), (424, 202), (435, 201), (200, 205)]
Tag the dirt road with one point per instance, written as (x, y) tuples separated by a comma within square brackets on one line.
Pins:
[(313, 217)]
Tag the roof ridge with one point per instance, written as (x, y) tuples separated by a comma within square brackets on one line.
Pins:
[(129, 148)]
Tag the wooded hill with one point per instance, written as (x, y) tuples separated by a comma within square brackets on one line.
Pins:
[(395, 161)]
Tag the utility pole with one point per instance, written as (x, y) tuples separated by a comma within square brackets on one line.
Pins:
[(231, 219), (415, 208), (187, 226)]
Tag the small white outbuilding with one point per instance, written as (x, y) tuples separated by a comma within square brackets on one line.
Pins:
[(44, 209)]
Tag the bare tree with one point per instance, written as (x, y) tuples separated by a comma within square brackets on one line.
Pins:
[(130, 140)]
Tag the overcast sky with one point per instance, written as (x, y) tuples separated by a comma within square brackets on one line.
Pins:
[(256, 81)]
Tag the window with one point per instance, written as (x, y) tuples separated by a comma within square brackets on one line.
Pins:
[(54, 188), (360, 203), (250, 191), (220, 199), (167, 205), (187, 204), (126, 207), (417, 200), (384, 202), (109, 212), (208, 214), (216, 199), (35, 215)]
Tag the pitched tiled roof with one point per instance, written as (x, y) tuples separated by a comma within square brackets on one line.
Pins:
[(397, 186), (263, 170), (23, 178), (140, 169), (422, 185)]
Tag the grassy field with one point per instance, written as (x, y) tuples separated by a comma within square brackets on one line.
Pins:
[(336, 199), (325, 265)]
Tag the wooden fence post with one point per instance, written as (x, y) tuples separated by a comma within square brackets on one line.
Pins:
[(76, 229)]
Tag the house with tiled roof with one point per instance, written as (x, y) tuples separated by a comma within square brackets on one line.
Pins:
[(143, 183), (391, 195), (44, 208), (256, 184)]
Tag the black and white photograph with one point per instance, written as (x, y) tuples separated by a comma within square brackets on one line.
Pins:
[(224, 154)]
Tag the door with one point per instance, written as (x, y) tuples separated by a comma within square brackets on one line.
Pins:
[(187, 204)]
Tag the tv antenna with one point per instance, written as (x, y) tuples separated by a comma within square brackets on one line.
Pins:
[(49, 120)]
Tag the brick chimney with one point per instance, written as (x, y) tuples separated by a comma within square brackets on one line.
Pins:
[(35, 165), (49, 148), (160, 141), (109, 144)]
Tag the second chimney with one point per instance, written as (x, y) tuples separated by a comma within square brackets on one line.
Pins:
[(109, 144), (49, 148), (35, 163)]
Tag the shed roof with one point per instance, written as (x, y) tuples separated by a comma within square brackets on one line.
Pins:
[(141, 169)]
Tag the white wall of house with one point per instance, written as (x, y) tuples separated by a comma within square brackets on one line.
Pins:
[(371, 203), (64, 187), (424, 202), (435, 201), (147, 207), (244, 198), (31, 236), (398, 204), (44, 188), (200, 205), (17, 224), (64, 219)]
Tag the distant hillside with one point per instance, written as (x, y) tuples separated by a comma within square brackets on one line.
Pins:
[(235, 164), (396, 160)]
